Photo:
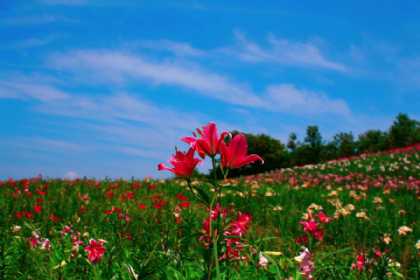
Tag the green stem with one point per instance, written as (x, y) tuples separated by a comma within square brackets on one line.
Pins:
[(216, 257)]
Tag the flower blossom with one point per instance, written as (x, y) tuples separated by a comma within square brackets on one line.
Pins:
[(183, 163), (95, 250), (234, 154), (306, 265), (209, 141)]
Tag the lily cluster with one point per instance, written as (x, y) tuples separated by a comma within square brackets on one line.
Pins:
[(226, 152), (207, 142), (312, 225), (233, 231)]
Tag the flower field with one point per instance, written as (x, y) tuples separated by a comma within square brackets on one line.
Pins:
[(355, 218)]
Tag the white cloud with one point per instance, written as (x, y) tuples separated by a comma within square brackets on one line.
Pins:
[(177, 48), (118, 67), (120, 107), (24, 89), (285, 52), (287, 98)]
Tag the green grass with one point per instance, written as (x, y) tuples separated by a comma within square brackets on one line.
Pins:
[(149, 244)]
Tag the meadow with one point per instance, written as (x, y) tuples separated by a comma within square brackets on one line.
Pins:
[(352, 218)]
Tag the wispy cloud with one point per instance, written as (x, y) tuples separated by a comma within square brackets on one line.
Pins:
[(174, 47), (21, 89), (287, 98), (285, 52), (120, 106), (121, 67)]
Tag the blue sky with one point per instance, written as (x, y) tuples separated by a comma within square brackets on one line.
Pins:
[(106, 88)]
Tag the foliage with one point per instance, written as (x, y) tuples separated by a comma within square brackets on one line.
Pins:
[(152, 227), (403, 132)]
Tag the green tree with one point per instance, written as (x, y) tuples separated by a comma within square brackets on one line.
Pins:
[(345, 144), (311, 150), (292, 142), (403, 131), (372, 141)]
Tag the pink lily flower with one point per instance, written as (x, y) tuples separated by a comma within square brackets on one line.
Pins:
[(183, 163), (234, 154)]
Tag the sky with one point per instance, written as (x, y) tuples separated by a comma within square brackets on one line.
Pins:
[(107, 88)]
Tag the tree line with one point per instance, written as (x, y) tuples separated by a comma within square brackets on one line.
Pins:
[(313, 149)]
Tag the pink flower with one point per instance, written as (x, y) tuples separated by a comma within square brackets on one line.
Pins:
[(34, 240), (360, 263), (95, 250), (306, 264), (309, 226), (318, 234), (262, 261), (65, 230), (45, 244), (209, 141), (234, 154), (183, 163), (240, 226), (323, 218)]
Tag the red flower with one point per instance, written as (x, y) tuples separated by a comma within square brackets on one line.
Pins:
[(318, 234), (34, 240), (323, 218), (234, 154), (240, 226), (378, 253), (37, 209), (185, 204), (152, 186), (209, 141), (360, 263), (109, 194), (309, 226), (40, 192), (95, 250), (183, 163), (159, 204), (181, 197), (19, 214), (29, 215), (54, 218), (142, 206), (302, 240)]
